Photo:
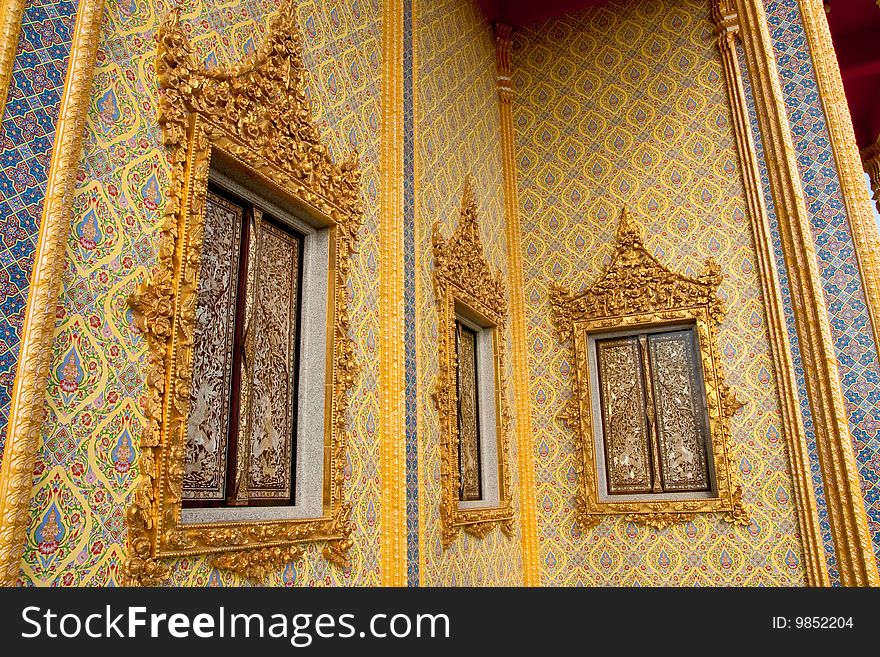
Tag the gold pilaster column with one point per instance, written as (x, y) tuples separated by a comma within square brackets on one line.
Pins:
[(392, 390), (525, 448), (846, 156), (727, 27), (871, 162), (28, 394), (10, 26), (846, 510)]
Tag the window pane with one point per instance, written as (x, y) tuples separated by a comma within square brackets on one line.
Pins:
[(274, 372), (208, 425), (681, 420), (468, 413), (627, 445)]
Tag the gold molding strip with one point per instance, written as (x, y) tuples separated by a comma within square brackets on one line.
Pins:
[(11, 15), (392, 421), (850, 170), (418, 241), (846, 511), (28, 394), (525, 448), (727, 26)]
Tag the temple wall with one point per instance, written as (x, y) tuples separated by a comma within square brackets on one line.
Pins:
[(26, 139), (87, 465), (839, 268), (458, 132), (626, 105)]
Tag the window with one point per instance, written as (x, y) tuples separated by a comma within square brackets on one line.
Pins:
[(240, 446), (471, 402), (468, 413), (650, 412), (246, 321), (652, 428), (477, 416), (255, 431)]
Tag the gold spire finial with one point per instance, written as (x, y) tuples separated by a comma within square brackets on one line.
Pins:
[(627, 230)]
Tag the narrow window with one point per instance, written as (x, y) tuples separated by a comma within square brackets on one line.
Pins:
[(468, 413), (240, 444), (654, 420)]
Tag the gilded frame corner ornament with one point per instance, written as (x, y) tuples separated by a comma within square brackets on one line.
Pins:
[(255, 114), (636, 290), (462, 275)]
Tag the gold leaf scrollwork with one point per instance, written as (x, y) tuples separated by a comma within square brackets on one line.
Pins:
[(255, 115), (636, 290), (659, 520), (257, 564), (463, 275)]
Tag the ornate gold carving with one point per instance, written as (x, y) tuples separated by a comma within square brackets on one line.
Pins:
[(638, 291), (525, 452), (392, 387), (256, 115), (661, 520), (27, 406), (849, 527), (468, 414), (462, 274), (727, 23), (257, 564)]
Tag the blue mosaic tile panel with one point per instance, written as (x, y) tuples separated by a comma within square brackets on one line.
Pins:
[(26, 138), (409, 301), (782, 270), (848, 315)]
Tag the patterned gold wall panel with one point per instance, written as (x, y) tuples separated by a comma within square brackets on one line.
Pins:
[(87, 466), (458, 131), (626, 104)]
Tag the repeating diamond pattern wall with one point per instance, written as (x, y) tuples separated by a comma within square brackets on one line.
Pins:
[(458, 128), (87, 466), (626, 104)]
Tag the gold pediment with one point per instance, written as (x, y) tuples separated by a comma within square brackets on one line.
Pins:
[(636, 291)]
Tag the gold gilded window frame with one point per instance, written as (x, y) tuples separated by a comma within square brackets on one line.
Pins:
[(464, 278), (637, 291), (255, 116)]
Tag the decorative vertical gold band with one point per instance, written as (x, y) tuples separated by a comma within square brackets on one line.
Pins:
[(28, 394), (392, 425), (423, 516), (846, 156), (846, 512), (10, 25), (525, 448), (815, 564)]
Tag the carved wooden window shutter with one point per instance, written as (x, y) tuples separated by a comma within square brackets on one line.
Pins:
[(654, 422), (242, 421), (471, 394)]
